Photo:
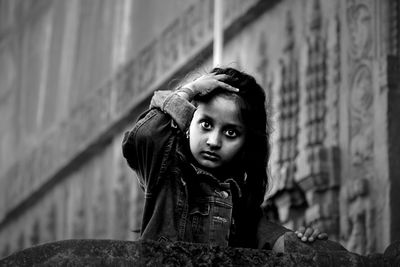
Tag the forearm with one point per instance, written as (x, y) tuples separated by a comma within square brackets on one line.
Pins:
[(177, 105), (145, 145), (186, 93)]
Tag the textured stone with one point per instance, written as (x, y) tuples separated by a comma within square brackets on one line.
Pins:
[(150, 253)]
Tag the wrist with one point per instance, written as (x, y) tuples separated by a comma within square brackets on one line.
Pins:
[(186, 90)]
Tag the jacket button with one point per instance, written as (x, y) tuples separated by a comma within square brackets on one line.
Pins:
[(224, 194)]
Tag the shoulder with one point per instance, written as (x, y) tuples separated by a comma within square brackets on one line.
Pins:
[(152, 126)]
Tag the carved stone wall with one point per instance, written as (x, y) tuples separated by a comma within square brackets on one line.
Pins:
[(390, 81), (358, 230)]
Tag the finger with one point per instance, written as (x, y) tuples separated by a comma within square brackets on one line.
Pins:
[(299, 232), (301, 229), (323, 236), (314, 235), (307, 234), (220, 77), (227, 87)]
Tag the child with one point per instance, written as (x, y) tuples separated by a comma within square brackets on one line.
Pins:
[(201, 156)]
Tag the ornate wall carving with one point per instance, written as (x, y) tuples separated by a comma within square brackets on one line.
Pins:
[(315, 90), (334, 83), (289, 106), (287, 196), (319, 173), (359, 16), (392, 69)]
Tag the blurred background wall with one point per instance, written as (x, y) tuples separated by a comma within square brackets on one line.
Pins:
[(75, 74)]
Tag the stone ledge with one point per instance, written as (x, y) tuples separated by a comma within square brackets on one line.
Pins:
[(150, 253)]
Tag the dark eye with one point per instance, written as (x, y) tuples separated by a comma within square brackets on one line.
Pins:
[(231, 133), (205, 125)]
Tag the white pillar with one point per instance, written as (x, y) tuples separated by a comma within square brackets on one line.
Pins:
[(218, 33)]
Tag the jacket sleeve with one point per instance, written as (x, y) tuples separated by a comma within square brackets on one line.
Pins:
[(180, 110), (148, 145), (268, 233)]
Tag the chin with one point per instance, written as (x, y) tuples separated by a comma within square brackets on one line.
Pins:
[(209, 165)]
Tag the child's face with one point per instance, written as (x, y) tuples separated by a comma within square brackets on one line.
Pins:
[(217, 134)]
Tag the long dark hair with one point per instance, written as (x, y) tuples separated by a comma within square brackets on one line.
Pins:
[(251, 100), (255, 118)]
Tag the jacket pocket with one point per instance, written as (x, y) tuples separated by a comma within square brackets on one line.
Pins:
[(202, 210), (200, 221)]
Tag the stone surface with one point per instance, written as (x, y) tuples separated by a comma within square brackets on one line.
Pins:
[(151, 253)]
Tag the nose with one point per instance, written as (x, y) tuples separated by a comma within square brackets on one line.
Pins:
[(214, 139)]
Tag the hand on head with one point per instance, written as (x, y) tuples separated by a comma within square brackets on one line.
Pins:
[(206, 84)]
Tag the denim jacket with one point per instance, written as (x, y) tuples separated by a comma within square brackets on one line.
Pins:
[(182, 201)]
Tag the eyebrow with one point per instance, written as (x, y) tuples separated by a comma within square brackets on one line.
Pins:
[(228, 125)]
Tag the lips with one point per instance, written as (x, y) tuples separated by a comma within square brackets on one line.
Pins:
[(210, 155)]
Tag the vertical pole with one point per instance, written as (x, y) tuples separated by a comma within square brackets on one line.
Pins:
[(218, 33)]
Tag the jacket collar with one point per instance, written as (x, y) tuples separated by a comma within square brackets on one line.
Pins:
[(236, 181)]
